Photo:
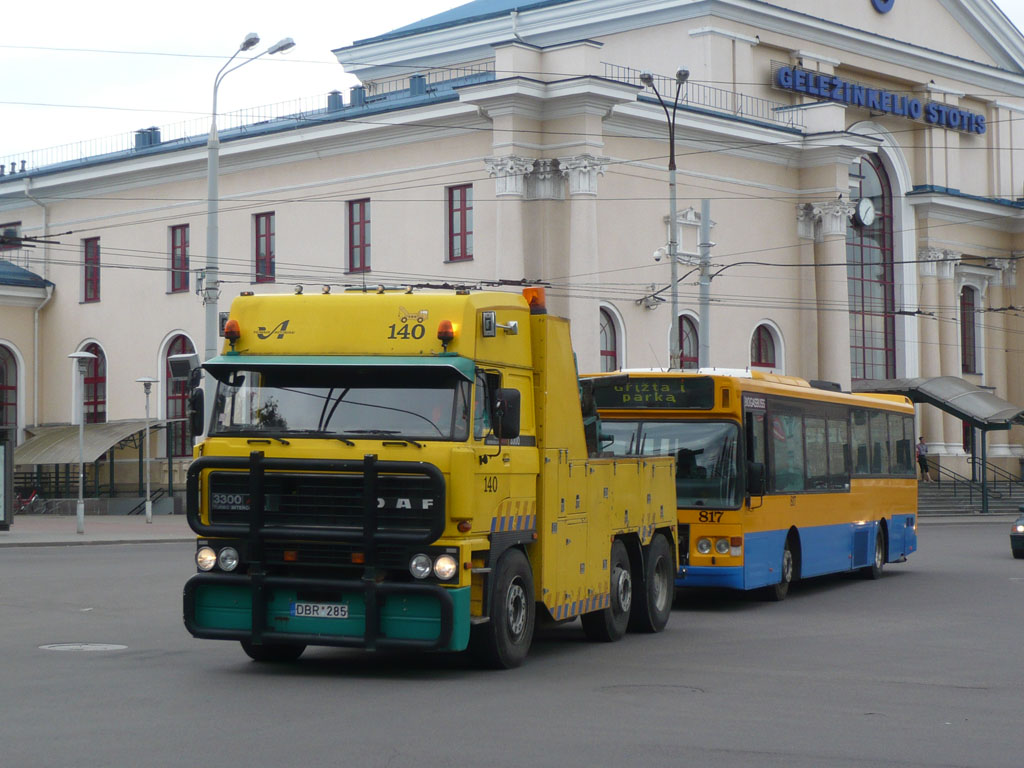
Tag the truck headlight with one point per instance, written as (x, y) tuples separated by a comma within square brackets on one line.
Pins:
[(722, 546), (704, 546), (206, 558), (420, 566), (228, 559), (445, 567)]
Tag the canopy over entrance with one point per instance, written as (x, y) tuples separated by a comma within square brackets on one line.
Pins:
[(59, 445), (975, 405)]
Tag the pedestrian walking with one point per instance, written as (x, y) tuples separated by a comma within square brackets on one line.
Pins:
[(922, 460)]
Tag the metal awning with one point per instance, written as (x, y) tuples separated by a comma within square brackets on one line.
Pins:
[(975, 405), (59, 445)]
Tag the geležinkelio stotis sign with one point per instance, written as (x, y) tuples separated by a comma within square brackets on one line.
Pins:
[(833, 88)]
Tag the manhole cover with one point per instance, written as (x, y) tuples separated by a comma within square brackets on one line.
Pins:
[(83, 647)]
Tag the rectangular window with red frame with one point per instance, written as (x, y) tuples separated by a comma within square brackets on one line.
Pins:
[(359, 236), (91, 269), (179, 258), (460, 222), (264, 247)]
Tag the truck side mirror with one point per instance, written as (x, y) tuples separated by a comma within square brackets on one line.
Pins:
[(195, 411), (505, 414), (755, 478)]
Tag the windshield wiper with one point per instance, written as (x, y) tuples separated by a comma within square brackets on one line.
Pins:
[(267, 439), (387, 435)]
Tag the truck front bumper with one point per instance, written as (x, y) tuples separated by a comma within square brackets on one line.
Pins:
[(258, 608)]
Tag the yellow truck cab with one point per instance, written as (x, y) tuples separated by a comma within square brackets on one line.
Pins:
[(412, 470)]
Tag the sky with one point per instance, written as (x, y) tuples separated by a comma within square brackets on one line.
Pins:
[(73, 72)]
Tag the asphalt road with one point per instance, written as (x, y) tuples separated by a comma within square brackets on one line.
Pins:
[(921, 668)]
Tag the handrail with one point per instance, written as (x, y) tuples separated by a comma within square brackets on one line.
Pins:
[(159, 493), (959, 480), (999, 474)]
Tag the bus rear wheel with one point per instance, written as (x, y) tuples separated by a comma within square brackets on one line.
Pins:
[(874, 571), (652, 599), (272, 652), (609, 624)]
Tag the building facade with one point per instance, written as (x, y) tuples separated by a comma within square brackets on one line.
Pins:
[(862, 174)]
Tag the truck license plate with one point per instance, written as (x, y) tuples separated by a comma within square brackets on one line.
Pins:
[(320, 610)]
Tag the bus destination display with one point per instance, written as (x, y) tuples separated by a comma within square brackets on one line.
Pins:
[(695, 393)]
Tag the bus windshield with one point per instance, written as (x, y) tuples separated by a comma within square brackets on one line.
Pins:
[(342, 403), (707, 468)]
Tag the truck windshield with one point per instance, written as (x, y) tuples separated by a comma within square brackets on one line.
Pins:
[(415, 404), (705, 452)]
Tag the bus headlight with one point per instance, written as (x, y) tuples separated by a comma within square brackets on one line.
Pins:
[(445, 567), (420, 566), (722, 546), (704, 546), (206, 558), (228, 559)]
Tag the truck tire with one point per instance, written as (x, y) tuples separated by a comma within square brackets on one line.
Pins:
[(504, 641), (609, 624), (652, 598)]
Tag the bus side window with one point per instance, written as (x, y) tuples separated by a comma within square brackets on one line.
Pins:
[(755, 436), (860, 442), (838, 453), (787, 452)]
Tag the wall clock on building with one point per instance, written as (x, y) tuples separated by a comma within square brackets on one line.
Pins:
[(864, 215)]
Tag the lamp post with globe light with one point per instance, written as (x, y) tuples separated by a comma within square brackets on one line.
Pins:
[(147, 383), (82, 359)]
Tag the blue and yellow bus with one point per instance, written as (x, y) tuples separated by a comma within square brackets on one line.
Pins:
[(776, 480)]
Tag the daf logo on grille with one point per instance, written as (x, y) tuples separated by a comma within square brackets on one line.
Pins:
[(404, 503)]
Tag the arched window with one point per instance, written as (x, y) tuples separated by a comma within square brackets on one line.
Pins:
[(177, 400), (689, 343), (762, 348), (968, 330), (8, 391), (609, 343), (870, 276), (94, 400)]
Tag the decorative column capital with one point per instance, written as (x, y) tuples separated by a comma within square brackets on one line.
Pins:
[(545, 181), (835, 216), (1007, 271), (806, 221), (928, 259), (947, 264), (509, 173), (582, 172)]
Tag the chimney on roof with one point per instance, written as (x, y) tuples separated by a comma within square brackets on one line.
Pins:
[(357, 96)]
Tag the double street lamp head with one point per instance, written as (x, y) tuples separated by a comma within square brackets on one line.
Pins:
[(281, 45), (682, 75)]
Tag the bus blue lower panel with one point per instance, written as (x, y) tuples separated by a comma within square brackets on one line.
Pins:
[(823, 549)]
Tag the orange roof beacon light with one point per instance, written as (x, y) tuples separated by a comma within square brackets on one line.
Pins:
[(445, 333), (232, 331), (534, 296)]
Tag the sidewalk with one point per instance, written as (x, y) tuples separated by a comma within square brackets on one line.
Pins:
[(61, 530)]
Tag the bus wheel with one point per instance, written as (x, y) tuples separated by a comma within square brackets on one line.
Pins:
[(874, 571), (652, 600), (272, 652), (504, 641), (777, 592), (609, 624)]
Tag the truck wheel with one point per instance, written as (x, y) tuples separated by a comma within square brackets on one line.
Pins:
[(504, 641), (609, 624), (272, 652), (652, 600)]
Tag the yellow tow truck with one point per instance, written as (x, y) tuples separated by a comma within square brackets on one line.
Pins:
[(415, 470)]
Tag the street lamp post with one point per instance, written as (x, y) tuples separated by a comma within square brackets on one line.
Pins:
[(211, 280), (82, 359), (147, 383), (682, 75)]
